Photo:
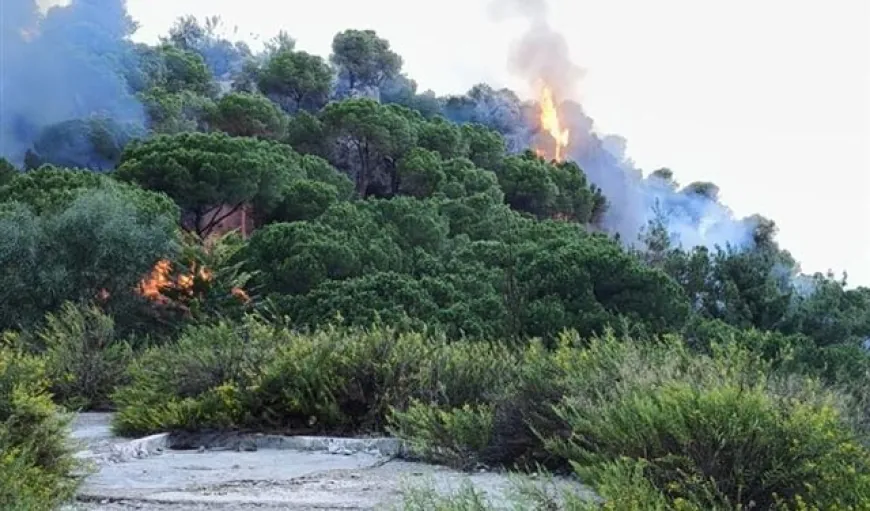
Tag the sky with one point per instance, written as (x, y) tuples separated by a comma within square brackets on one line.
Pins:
[(769, 99)]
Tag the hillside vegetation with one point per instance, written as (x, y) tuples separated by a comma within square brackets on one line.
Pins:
[(405, 265)]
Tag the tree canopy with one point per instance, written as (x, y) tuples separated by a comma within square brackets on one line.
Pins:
[(364, 59), (357, 181)]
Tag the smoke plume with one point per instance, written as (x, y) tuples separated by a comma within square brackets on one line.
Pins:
[(61, 61), (541, 56)]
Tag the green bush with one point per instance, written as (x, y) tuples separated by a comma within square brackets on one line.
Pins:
[(523, 493), (713, 431), (36, 461), (454, 437), (253, 375), (97, 247), (466, 498), (654, 425), (724, 447), (84, 360), (651, 424), (193, 382)]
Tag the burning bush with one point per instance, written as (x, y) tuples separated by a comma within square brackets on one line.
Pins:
[(210, 283)]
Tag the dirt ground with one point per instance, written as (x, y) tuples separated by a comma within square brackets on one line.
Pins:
[(321, 474)]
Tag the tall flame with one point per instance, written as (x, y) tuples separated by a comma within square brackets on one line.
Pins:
[(551, 124)]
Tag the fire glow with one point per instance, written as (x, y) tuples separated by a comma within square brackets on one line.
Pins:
[(160, 280), (551, 124)]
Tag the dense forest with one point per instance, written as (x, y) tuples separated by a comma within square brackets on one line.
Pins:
[(198, 235)]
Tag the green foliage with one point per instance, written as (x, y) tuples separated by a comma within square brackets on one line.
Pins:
[(831, 314), (524, 493), (220, 286), (420, 173), (467, 498), (452, 437), (50, 190), (350, 261), (381, 212), (93, 143), (658, 425), (222, 56), (548, 191), (293, 258), (84, 359), (249, 115), (363, 58), (486, 147), (176, 112), (318, 169), (7, 171), (374, 133), (266, 377), (295, 79), (182, 70), (193, 386), (724, 447), (201, 171), (36, 459), (305, 200), (305, 133), (443, 137), (96, 248)]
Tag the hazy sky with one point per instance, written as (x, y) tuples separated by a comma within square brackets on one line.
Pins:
[(770, 99)]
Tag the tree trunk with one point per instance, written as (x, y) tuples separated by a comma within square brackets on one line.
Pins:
[(362, 178), (393, 170), (217, 218)]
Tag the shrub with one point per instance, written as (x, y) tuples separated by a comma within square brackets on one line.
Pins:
[(523, 412), (522, 493), (36, 461), (84, 360), (378, 369), (723, 447), (257, 376), (97, 247), (466, 498), (194, 381), (709, 431), (453, 437), (655, 425)]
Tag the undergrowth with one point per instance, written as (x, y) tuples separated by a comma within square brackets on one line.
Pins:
[(36, 461), (648, 424)]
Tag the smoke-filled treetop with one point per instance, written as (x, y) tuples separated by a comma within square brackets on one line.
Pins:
[(196, 80), (107, 76)]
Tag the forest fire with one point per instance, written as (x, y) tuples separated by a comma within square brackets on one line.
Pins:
[(552, 125), (160, 280), (154, 286)]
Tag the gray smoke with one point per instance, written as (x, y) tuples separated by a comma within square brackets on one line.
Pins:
[(693, 219), (68, 63), (536, 10)]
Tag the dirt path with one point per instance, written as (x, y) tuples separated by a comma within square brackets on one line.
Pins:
[(277, 473)]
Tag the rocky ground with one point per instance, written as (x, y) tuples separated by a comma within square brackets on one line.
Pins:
[(260, 472)]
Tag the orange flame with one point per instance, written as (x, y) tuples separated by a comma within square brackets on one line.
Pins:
[(241, 294), (551, 124), (160, 279), (152, 286)]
